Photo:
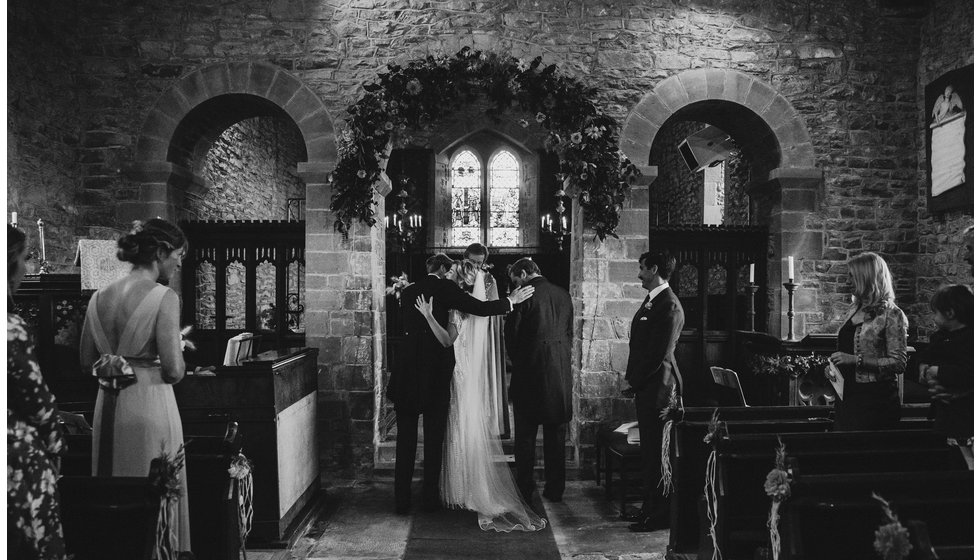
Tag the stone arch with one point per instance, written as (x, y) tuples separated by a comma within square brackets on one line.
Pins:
[(190, 110), (770, 130)]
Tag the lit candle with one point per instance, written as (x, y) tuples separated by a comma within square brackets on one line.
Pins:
[(40, 234), (400, 227), (386, 221), (542, 222), (564, 223), (13, 219), (790, 260), (751, 273), (420, 220)]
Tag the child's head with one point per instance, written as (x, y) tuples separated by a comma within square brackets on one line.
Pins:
[(952, 306)]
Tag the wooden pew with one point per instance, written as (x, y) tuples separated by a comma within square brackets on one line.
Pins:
[(834, 516), (744, 460), (109, 517), (691, 454), (924, 549)]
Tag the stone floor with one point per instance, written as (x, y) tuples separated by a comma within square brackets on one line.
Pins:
[(357, 522)]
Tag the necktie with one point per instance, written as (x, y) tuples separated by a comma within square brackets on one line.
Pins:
[(646, 300)]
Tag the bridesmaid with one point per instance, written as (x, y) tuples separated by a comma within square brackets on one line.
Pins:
[(34, 439), (131, 341)]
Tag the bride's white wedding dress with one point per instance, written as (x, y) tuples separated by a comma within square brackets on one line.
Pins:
[(475, 475)]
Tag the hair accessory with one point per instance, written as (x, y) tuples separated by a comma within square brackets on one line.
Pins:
[(137, 227)]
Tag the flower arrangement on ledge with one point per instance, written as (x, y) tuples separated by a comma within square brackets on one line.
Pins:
[(413, 96), (793, 365)]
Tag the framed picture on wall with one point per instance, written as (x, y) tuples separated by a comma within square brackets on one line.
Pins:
[(949, 141)]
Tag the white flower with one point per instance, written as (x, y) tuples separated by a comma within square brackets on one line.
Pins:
[(361, 174), (414, 87), (576, 138), (593, 131), (522, 65), (540, 117), (524, 123)]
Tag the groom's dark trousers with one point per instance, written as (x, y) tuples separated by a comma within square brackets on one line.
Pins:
[(539, 342), (421, 380)]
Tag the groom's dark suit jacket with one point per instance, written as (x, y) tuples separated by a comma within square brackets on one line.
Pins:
[(653, 339), (539, 343), (426, 366)]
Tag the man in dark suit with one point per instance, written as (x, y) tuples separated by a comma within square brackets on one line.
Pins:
[(539, 341), (421, 385), (652, 373)]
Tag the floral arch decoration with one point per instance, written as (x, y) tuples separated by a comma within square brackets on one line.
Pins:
[(592, 168)]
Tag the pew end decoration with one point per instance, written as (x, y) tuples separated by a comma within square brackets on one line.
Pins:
[(674, 411), (892, 538), (165, 479), (418, 94), (240, 471), (777, 487), (711, 483)]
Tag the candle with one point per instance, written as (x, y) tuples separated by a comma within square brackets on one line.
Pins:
[(751, 273), (542, 222), (386, 221), (420, 220), (40, 233), (400, 228), (13, 219), (790, 260), (564, 223)]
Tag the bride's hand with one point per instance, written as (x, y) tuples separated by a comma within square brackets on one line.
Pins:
[(424, 307), (521, 294)]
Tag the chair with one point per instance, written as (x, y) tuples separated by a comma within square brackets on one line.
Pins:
[(728, 378)]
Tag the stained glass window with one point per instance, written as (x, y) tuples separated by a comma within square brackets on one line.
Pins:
[(504, 179), (467, 192)]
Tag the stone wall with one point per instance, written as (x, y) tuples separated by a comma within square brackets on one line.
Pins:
[(677, 194), (853, 73), (947, 44), (251, 172)]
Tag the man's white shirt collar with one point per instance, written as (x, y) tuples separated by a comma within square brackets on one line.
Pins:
[(656, 291)]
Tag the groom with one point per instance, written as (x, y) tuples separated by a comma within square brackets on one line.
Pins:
[(422, 384), (539, 341)]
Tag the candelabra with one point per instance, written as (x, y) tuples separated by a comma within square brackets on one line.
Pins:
[(750, 291), (401, 228), (557, 228), (790, 288)]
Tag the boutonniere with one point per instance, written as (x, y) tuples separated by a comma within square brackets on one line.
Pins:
[(648, 306)]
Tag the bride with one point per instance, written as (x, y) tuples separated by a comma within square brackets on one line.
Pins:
[(475, 475)]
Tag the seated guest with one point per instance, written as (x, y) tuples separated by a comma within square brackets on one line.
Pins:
[(947, 366), (34, 439), (871, 349), (131, 341)]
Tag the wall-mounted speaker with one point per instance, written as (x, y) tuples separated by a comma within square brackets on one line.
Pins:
[(705, 148)]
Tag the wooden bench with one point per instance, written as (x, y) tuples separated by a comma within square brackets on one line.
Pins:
[(834, 516), (109, 517), (744, 460)]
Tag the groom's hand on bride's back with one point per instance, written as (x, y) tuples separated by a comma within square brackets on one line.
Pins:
[(521, 294)]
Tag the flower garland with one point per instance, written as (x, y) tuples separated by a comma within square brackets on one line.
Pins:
[(673, 411), (167, 483), (710, 486), (240, 471), (786, 364), (413, 96), (892, 538), (777, 487)]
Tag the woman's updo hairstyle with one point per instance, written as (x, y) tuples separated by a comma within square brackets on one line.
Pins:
[(466, 269), (141, 245)]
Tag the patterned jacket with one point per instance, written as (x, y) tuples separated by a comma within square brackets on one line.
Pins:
[(881, 341)]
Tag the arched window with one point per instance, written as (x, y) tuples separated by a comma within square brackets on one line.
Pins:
[(485, 206)]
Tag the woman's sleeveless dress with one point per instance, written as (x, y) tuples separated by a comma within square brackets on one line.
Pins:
[(475, 475), (145, 422)]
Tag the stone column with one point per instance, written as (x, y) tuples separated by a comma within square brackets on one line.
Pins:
[(606, 294)]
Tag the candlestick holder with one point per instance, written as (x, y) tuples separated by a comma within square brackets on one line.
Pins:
[(750, 291), (402, 231), (790, 288)]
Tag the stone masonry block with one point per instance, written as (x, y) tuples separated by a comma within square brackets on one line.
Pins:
[(260, 79), (672, 93), (619, 353), (173, 105), (715, 81), (216, 79), (622, 271), (303, 104), (779, 111), (799, 155), (595, 355), (151, 149), (737, 86), (336, 263), (639, 130), (600, 384), (798, 200), (803, 245), (633, 222), (696, 84), (653, 109), (760, 97), (637, 150), (158, 125), (316, 124), (283, 88), (238, 77), (619, 308), (194, 89), (322, 149), (318, 198)]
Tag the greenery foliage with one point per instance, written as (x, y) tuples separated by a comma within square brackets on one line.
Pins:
[(413, 96)]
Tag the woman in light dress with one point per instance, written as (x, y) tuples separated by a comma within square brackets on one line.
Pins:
[(475, 475), (132, 342)]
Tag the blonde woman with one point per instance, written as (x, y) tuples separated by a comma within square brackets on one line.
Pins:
[(871, 349)]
